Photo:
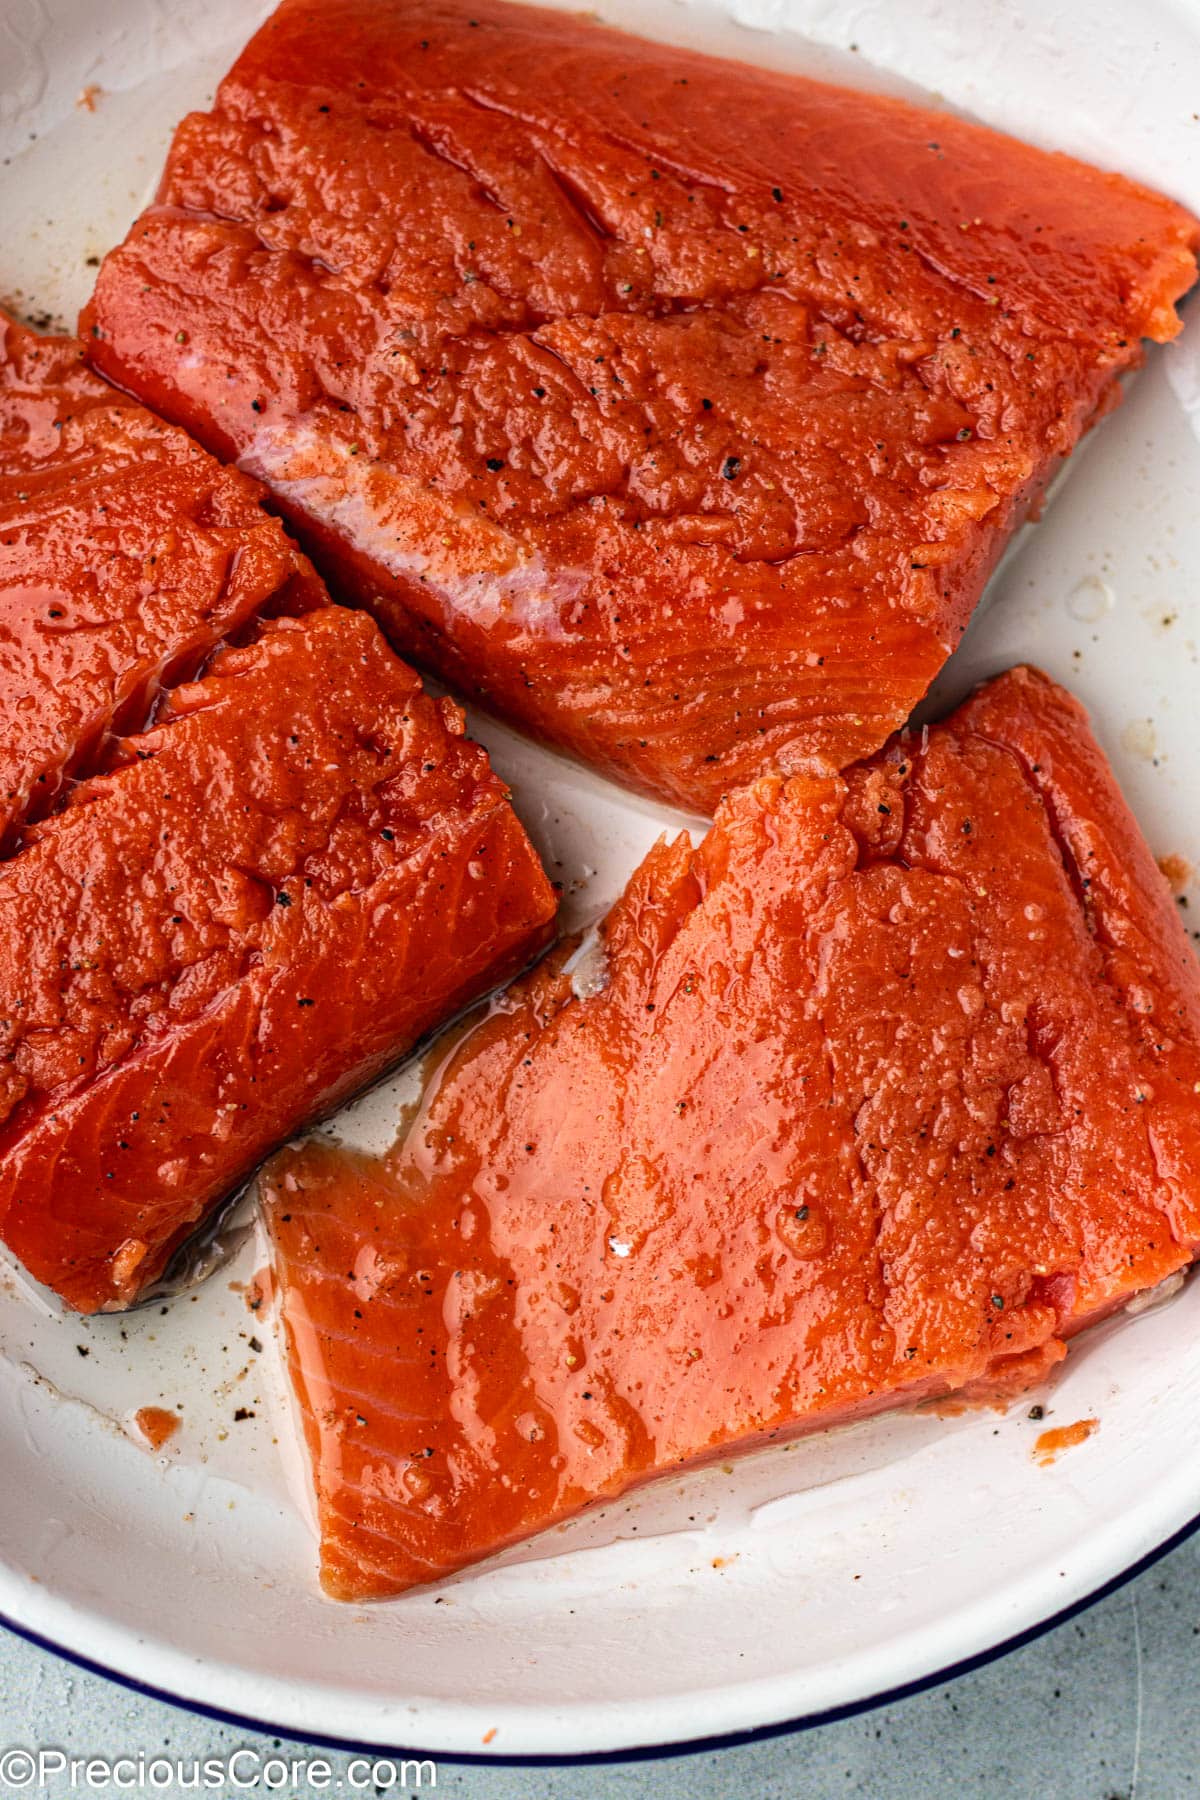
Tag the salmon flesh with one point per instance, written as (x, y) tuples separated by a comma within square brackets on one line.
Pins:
[(246, 861), (879, 1094), (674, 410)]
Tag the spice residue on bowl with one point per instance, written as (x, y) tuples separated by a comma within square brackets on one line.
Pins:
[(1177, 870), (154, 1425), (1050, 1444)]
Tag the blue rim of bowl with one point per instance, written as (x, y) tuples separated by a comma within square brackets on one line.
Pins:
[(757, 1734)]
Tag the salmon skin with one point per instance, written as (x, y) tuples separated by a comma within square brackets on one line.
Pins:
[(127, 554), (881, 1093), (228, 902), (674, 410)]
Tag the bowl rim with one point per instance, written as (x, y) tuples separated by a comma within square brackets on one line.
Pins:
[(684, 1746)]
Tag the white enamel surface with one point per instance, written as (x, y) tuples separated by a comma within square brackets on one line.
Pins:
[(801, 1579)]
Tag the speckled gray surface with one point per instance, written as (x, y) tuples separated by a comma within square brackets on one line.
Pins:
[(1105, 1706)]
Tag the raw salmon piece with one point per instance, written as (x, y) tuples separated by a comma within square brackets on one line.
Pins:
[(126, 555), (265, 899), (882, 1092), (675, 410)]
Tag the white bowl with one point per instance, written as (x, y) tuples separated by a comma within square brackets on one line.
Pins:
[(799, 1581)]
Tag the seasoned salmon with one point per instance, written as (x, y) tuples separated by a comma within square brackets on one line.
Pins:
[(127, 553), (252, 908), (673, 409), (880, 1093)]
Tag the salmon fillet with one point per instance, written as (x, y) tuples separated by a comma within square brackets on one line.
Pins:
[(252, 909), (881, 1092), (126, 555), (673, 409), (225, 903)]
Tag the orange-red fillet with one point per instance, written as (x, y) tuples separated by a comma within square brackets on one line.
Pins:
[(675, 409), (882, 1092), (225, 902), (127, 554)]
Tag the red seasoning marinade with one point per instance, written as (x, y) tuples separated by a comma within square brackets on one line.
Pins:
[(881, 1093), (244, 861), (127, 554), (674, 409)]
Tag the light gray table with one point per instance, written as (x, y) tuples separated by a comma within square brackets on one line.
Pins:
[(1106, 1706)]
